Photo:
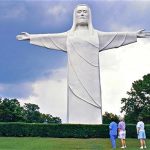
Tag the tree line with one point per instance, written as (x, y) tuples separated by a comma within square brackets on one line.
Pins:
[(12, 111)]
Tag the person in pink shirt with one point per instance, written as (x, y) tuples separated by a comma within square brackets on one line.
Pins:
[(122, 132)]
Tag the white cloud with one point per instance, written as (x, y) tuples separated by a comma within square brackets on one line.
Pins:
[(56, 14), (57, 11), (15, 90), (117, 80), (141, 6), (51, 94), (114, 26), (45, 13), (1, 88), (127, 15), (11, 11)]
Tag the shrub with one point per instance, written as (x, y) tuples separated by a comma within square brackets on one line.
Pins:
[(62, 130)]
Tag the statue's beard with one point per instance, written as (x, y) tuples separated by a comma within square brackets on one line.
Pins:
[(82, 22)]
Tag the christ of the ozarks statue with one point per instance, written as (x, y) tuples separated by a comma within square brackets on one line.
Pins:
[(83, 44)]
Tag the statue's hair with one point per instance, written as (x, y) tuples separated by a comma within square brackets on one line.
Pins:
[(90, 26)]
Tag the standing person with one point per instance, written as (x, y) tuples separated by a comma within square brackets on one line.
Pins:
[(141, 133), (122, 132), (113, 133)]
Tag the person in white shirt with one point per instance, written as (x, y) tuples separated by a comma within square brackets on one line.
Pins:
[(141, 133)]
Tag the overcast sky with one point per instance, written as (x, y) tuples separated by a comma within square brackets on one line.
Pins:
[(37, 75)]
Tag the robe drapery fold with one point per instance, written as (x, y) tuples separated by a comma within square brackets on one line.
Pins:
[(84, 79), (84, 88), (50, 41), (109, 40)]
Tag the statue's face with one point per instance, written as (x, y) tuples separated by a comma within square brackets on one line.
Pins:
[(82, 15)]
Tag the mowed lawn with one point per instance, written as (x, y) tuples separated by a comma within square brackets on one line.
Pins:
[(37, 143)]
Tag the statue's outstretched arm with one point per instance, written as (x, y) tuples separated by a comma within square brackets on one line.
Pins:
[(109, 40), (143, 34), (51, 41)]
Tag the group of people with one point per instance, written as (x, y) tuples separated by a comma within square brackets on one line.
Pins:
[(121, 130)]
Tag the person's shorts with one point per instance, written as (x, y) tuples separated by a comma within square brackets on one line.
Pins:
[(142, 135), (122, 135)]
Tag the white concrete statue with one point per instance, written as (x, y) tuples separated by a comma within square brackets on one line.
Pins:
[(83, 44)]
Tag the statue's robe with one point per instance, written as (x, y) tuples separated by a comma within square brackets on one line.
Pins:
[(84, 88)]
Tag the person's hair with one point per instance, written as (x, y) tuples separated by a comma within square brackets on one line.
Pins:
[(121, 119), (140, 118)]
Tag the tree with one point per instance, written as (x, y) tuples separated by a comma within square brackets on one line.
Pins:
[(31, 113), (138, 101), (10, 110), (47, 118), (108, 117)]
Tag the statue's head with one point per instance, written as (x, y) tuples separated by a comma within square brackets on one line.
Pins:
[(82, 16)]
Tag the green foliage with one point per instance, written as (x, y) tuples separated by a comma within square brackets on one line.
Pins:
[(62, 130), (31, 113), (11, 111), (46, 118), (138, 101), (108, 117)]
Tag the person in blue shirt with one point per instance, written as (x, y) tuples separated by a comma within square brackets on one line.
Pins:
[(113, 133)]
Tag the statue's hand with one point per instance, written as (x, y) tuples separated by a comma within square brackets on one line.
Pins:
[(142, 34), (23, 36)]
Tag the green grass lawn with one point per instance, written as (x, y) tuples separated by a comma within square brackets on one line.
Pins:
[(37, 143)]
